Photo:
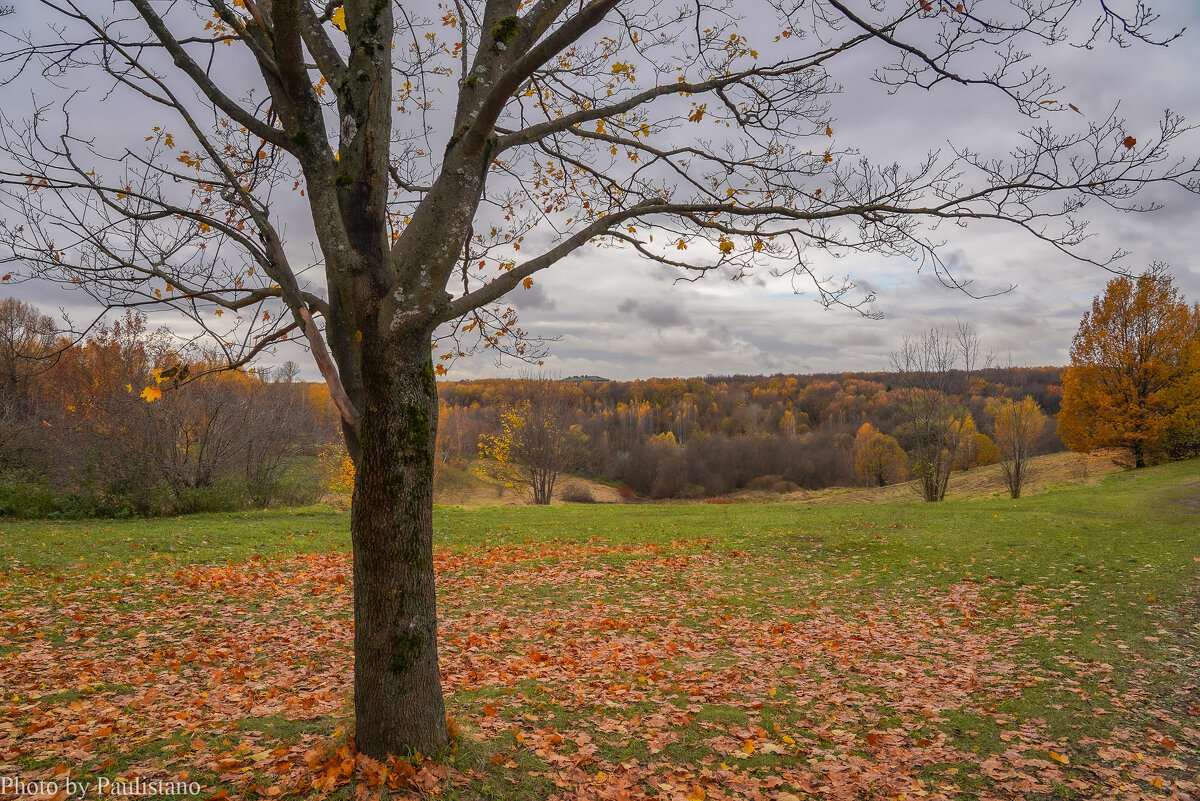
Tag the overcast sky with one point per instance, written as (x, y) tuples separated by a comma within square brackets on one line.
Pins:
[(618, 316), (622, 318)]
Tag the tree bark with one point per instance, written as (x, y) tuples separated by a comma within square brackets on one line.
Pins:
[(397, 686)]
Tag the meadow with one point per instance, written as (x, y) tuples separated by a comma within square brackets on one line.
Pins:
[(982, 648)]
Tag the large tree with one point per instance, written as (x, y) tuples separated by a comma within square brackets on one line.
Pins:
[(1130, 360), (446, 153)]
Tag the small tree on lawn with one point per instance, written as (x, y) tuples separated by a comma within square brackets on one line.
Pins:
[(1019, 428), (538, 442), (930, 413)]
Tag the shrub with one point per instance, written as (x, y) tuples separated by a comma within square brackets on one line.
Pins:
[(577, 493)]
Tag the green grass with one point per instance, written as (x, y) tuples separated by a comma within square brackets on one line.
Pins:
[(1117, 564)]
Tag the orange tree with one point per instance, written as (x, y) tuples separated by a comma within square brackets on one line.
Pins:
[(424, 143), (1129, 360)]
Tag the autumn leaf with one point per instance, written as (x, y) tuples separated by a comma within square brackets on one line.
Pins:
[(151, 394), (1129, 142), (338, 18)]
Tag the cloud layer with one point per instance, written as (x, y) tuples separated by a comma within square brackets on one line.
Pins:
[(621, 317)]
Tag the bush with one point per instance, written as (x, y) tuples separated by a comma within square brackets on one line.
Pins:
[(302, 484), (772, 483), (19, 498), (32, 499), (225, 495), (577, 493)]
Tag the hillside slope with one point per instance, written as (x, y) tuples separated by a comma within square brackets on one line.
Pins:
[(1052, 471)]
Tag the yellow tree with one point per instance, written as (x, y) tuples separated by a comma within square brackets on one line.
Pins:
[(1019, 428), (974, 448), (878, 459), (443, 154), (537, 443), (1127, 361)]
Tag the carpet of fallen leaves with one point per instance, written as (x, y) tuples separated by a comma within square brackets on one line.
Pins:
[(582, 671)]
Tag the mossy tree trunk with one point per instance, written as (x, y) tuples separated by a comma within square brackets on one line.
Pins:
[(397, 689)]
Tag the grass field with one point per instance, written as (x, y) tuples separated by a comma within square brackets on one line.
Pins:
[(976, 649)]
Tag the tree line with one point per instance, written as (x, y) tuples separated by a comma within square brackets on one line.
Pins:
[(1133, 387), (697, 437), (87, 429), (123, 423)]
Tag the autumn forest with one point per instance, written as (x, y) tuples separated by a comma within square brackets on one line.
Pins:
[(122, 423), (106, 426)]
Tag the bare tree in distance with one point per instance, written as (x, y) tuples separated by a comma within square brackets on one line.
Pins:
[(932, 413), (448, 154), (286, 373), (971, 352), (27, 347)]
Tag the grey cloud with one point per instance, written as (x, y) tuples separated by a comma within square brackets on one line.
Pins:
[(535, 298), (658, 313)]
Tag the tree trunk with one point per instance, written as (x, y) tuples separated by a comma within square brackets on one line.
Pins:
[(398, 702), (1139, 455)]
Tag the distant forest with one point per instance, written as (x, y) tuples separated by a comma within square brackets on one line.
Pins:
[(122, 423), (696, 437)]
